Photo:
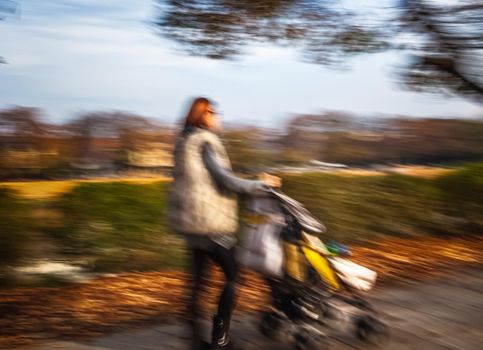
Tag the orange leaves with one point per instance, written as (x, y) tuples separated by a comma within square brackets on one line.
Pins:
[(105, 304)]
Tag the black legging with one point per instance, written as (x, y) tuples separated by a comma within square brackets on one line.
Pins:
[(226, 259)]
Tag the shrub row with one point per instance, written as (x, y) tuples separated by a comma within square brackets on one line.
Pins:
[(119, 226)]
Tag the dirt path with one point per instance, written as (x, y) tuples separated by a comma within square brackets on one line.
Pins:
[(443, 314)]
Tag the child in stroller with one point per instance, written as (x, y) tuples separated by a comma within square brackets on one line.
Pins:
[(305, 275)]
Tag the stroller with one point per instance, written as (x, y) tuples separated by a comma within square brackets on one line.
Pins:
[(311, 283)]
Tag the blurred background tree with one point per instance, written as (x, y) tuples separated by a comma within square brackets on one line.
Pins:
[(449, 54), (444, 41), (27, 143), (221, 29), (101, 136), (108, 143)]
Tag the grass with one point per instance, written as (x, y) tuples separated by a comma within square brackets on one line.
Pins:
[(45, 190), (39, 190)]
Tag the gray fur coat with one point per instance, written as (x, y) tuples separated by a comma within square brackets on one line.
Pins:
[(198, 204)]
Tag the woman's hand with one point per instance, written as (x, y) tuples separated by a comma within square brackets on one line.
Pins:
[(271, 180)]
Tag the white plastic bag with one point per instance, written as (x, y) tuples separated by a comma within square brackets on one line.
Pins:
[(261, 249), (355, 275)]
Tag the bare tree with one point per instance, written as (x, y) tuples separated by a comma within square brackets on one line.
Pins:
[(100, 127)]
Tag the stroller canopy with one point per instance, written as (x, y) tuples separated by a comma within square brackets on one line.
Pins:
[(300, 213)]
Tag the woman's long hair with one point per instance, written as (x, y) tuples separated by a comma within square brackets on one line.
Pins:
[(197, 112)]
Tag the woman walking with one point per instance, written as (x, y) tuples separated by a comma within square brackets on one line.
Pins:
[(203, 208)]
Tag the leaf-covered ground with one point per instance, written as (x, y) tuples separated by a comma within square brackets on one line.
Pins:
[(133, 299)]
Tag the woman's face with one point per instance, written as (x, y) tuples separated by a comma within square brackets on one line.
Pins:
[(212, 120)]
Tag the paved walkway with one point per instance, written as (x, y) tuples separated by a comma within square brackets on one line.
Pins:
[(445, 314)]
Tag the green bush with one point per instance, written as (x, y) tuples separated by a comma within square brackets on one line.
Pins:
[(14, 228), (359, 208), (122, 226), (462, 198)]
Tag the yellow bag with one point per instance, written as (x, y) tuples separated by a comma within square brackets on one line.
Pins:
[(295, 263)]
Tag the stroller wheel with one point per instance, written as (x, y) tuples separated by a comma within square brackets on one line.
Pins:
[(305, 339), (371, 329), (272, 326)]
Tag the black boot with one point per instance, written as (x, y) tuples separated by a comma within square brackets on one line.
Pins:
[(219, 335)]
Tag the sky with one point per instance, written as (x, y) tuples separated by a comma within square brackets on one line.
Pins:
[(73, 56)]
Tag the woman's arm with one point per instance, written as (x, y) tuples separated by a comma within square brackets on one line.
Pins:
[(226, 178)]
